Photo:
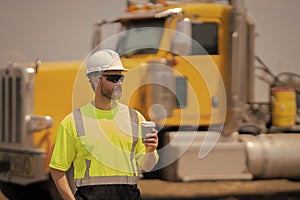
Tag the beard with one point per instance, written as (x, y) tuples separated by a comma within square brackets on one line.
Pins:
[(114, 94)]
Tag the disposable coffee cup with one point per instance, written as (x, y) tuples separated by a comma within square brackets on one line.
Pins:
[(147, 127)]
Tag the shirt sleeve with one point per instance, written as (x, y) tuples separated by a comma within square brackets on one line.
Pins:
[(64, 149)]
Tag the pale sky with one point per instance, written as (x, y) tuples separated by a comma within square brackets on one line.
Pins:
[(60, 30)]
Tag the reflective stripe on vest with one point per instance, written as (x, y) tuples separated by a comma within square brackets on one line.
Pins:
[(87, 180), (95, 180), (135, 134), (78, 122)]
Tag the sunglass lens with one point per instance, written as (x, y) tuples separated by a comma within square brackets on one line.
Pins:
[(114, 78)]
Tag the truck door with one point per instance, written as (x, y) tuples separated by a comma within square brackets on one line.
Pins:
[(196, 48)]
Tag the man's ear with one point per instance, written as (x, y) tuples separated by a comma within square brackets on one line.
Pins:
[(94, 82)]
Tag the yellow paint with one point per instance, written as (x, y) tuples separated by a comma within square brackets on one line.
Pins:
[(283, 106)]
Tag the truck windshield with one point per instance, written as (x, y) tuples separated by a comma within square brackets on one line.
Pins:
[(141, 37)]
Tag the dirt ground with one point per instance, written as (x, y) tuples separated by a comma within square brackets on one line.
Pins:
[(279, 189)]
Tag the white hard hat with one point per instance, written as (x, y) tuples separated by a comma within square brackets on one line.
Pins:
[(103, 60)]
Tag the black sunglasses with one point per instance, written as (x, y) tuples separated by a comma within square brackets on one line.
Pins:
[(114, 77)]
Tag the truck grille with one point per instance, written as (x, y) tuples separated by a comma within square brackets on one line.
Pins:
[(10, 105)]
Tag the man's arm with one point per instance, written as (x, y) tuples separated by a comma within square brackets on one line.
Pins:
[(148, 161), (60, 179), (150, 158)]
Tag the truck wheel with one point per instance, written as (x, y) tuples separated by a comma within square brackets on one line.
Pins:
[(45, 190), (166, 172), (169, 173)]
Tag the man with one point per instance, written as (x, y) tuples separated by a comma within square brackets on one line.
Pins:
[(102, 139)]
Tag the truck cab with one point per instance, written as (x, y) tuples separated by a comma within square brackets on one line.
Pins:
[(192, 41), (181, 57)]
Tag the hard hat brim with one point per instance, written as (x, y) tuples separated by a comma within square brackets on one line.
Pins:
[(114, 68)]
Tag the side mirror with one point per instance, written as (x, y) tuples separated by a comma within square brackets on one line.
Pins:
[(182, 41)]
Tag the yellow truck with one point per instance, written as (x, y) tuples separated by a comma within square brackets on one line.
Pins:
[(192, 72)]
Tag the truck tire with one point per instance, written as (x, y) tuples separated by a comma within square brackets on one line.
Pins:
[(169, 173), (166, 171), (45, 190)]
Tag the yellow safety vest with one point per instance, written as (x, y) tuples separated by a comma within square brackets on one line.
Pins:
[(105, 146)]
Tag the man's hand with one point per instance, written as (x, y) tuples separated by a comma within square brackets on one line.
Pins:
[(151, 141), (62, 184)]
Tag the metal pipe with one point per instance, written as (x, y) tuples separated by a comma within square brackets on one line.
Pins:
[(240, 68), (273, 155)]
